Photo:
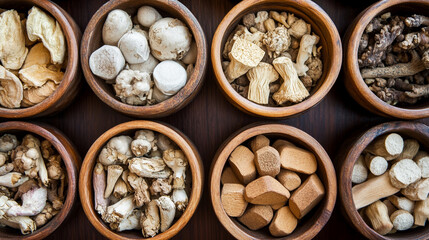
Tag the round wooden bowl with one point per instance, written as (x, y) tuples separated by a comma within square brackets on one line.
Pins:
[(415, 130), (71, 160), (168, 8), (128, 128), (353, 79), (310, 225), (69, 86), (321, 24)]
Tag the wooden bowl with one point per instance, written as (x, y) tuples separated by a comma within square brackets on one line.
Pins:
[(415, 130), (321, 24), (92, 41), (69, 86), (353, 79), (71, 161), (309, 226), (128, 128)]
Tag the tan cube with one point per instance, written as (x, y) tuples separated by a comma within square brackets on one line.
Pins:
[(296, 159), (228, 176), (259, 142), (284, 222), (241, 161), (306, 196), (289, 179), (233, 201), (266, 190), (267, 161), (257, 217)]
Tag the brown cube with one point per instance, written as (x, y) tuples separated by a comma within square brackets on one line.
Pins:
[(266, 190), (232, 198), (306, 196), (241, 161), (267, 161), (297, 159), (228, 176), (289, 179), (259, 142), (284, 222), (257, 216)]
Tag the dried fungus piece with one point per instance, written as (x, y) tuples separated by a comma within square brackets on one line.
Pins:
[(12, 40), (11, 89)]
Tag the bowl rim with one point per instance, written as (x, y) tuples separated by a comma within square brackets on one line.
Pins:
[(351, 65), (250, 131), (164, 108), (194, 161), (72, 58), (355, 149), (60, 143), (266, 111)]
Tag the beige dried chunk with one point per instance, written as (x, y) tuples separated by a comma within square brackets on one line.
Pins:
[(402, 220), (232, 197), (305, 50), (42, 26), (260, 78), (388, 146), (421, 212), (298, 29), (417, 191), (261, 17), (11, 90), (404, 173), (277, 41), (12, 40), (402, 203), (360, 172), (376, 165), (244, 55), (38, 55), (292, 89), (33, 96), (38, 75), (422, 160), (378, 215)]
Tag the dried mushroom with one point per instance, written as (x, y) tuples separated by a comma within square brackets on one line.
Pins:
[(260, 77), (133, 87), (145, 190), (29, 193), (11, 90), (12, 40)]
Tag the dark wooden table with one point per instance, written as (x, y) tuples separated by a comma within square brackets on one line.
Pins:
[(210, 119)]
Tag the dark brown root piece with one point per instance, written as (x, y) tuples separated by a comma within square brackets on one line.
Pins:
[(418, 91), (393, 96), (416, 21)]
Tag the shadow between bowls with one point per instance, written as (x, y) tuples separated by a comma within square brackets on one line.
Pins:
[(69, 86), (317, 218), (354, 82), (321, 24), (71, 160), (349, 156), (128, 128), (91, 41)]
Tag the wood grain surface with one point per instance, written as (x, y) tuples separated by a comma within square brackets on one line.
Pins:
[(210, 119)]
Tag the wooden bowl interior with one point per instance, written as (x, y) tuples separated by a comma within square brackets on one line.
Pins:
[(71, 58), (167, 9), (194, 171), (329, 40), (308, 226), (404, 8), (417, 131), (20, 129)]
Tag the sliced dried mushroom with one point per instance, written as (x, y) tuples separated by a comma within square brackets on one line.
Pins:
[(12, 40), (11, 90)]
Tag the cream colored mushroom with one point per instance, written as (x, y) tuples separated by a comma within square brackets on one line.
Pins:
[(149, 167), (169, 77), (42, 26), (106, 62), (177, 161), (144, 142), (8, 142), (117, 23), (150, 221), (305, 50), (11, 90), (167, 210), (113, 174), (277, 41), (117, 150), (244, 55), (147, 66), (260, 78), (133, 87), (169, 39), (33, 96), (292, 89), (134, 46), (147, 16), (38, 55), (118, 211), (12, 40), (298, 28), (141, 189), (261, 17), (180, 198)]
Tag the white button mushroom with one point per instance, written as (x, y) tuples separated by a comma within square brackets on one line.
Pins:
[(147, 16), (106, 62), (146, 66), (169, 77), (169, 39), (134, 47), (132, 87), (118, 22)]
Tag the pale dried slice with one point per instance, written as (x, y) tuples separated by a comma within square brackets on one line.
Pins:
[(38, 55), (11, 90), (12, 40), (388, 146), (404, 173), (33, 96), (37, 75)]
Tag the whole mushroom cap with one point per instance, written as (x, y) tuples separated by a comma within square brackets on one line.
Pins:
[(147, 16), (169, 39), (169, 77), (106, 62), (134, 47), (118, 22)]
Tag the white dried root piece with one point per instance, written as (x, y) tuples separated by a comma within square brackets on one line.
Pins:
[(118, 22), (33, 202), (422, 160), (180, 198), (164, 143), (376, 165), (147, 15), (45, 215), (12, 179), (417, 191), (99, 184), (402, 220), (144, 142), (118, 211), (388, 146), (421, 212), (30, 141), (305, 50), (404, 172), (6, 168), (12, 40), (8, 142), (410, 150), (169, 77), (106, 62), (149, 167), (11, 89), (141, 189), (42, 26), (134, 46), (260, 78), (360, 172), (133, 87), (113, 174), (131, 222), (117, 150), (402, 203), (25, 224), (378, 215), (177, 161), (150, 221), (120, 190), (292, 89), (161, 186), (147, 66), (167, 210)]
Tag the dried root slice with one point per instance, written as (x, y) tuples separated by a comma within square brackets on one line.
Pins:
[(402, 220), (360, 172), (388, 146), (404, 172), (378, 216), (377, 165)]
